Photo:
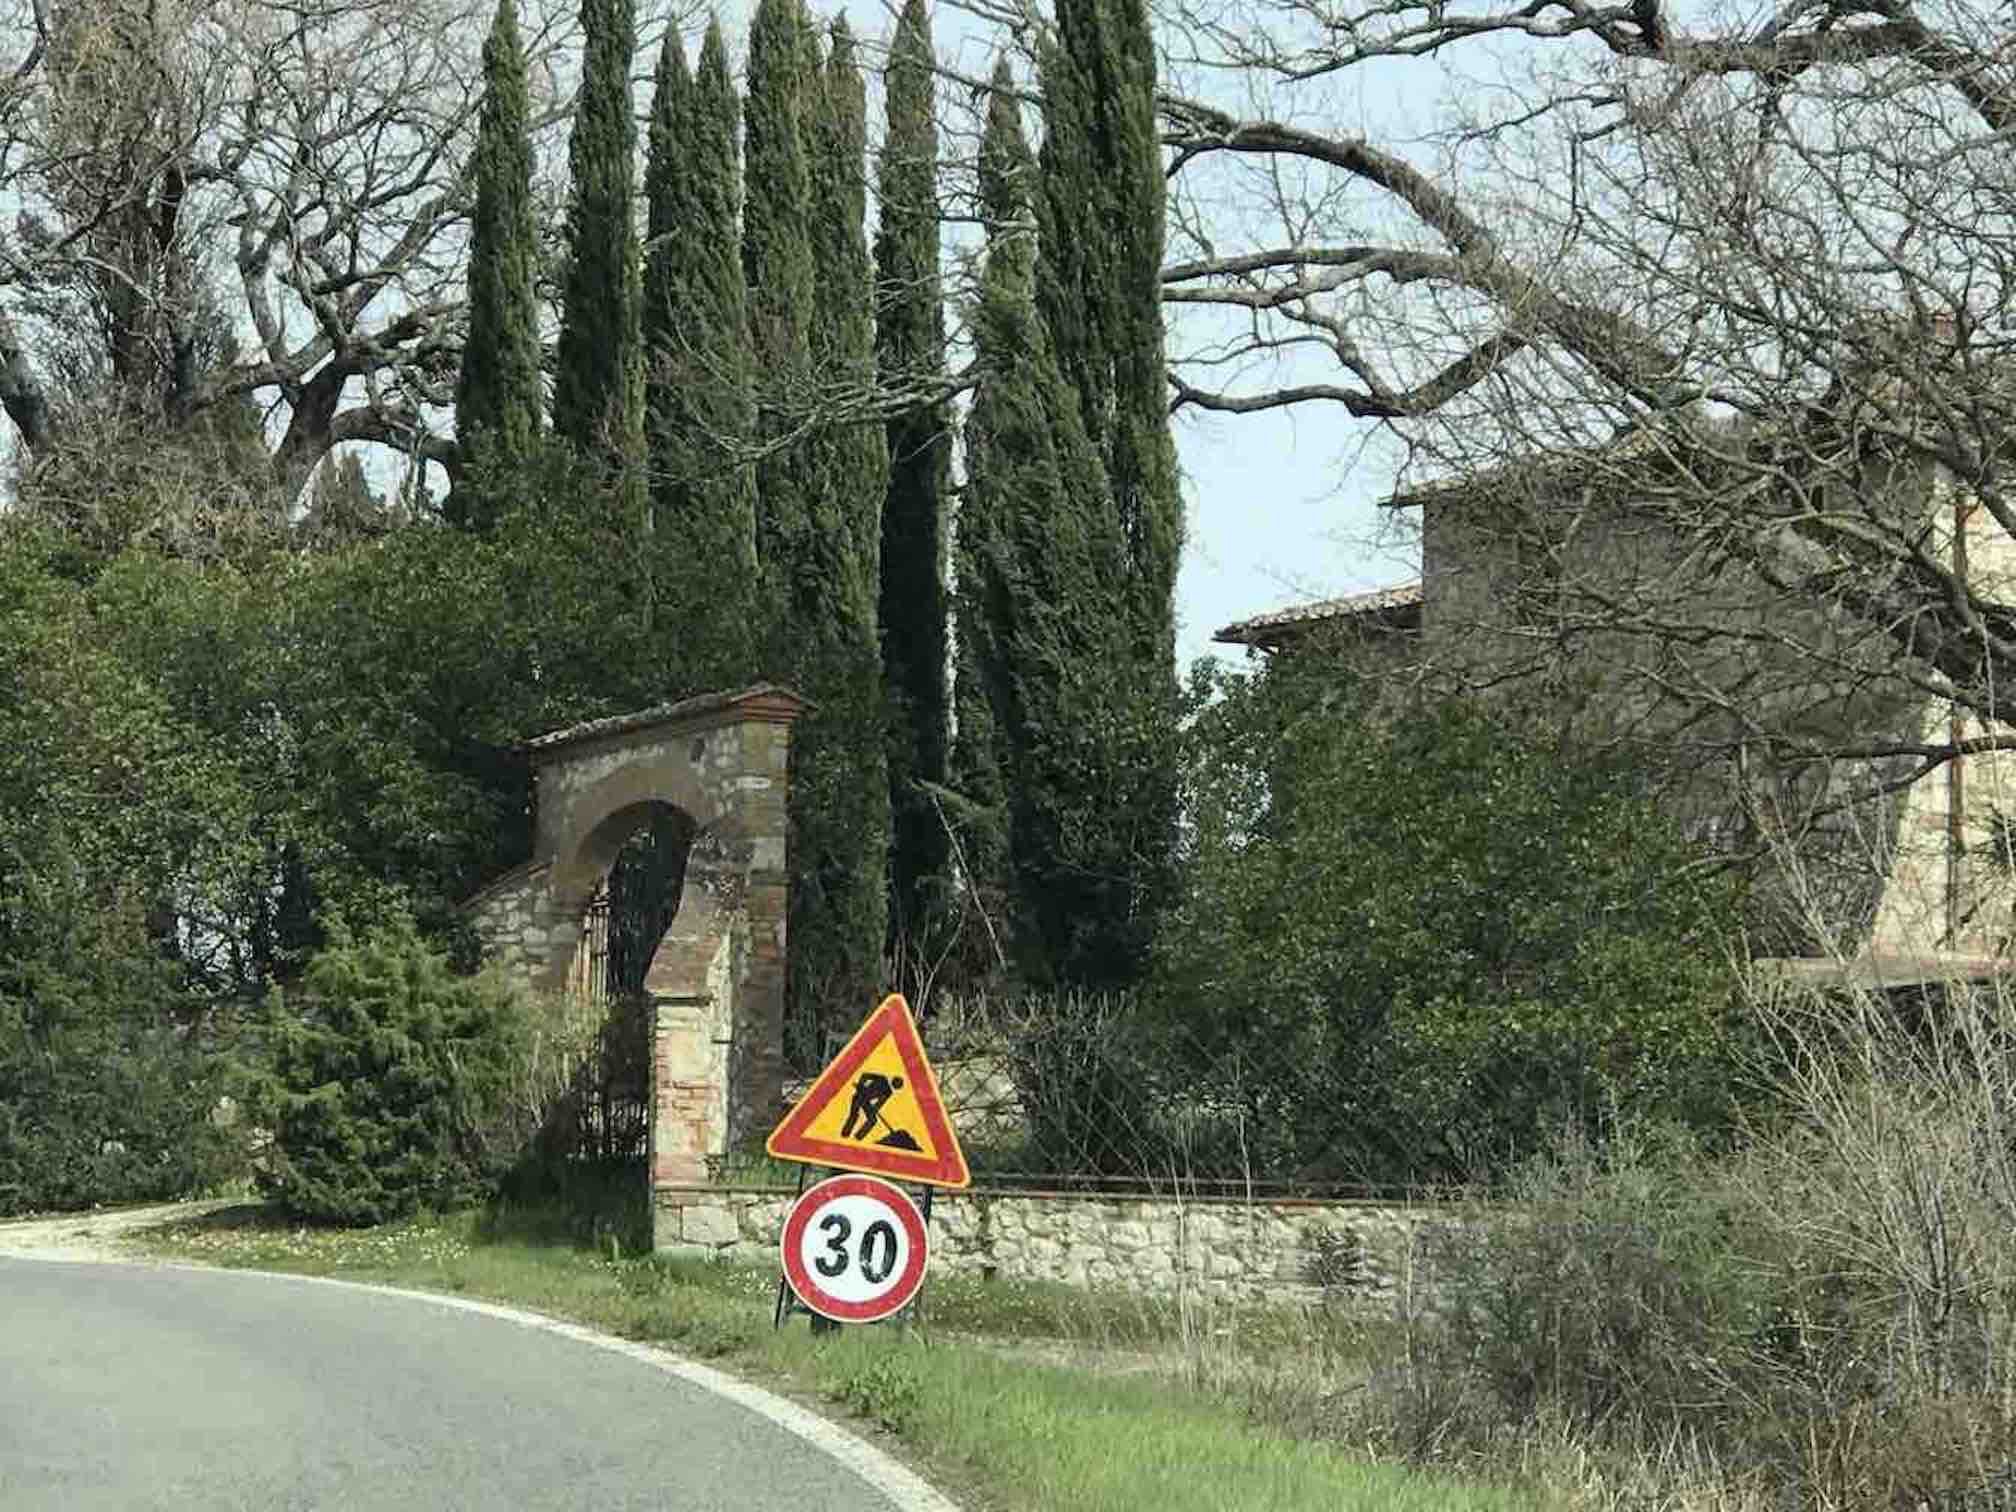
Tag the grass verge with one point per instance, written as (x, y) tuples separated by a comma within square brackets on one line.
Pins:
[(995, 1396)]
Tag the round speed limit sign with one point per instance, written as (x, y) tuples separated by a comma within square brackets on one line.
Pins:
[(854, 1249)]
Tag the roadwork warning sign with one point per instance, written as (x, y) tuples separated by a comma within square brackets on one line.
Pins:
[(876, 1109)]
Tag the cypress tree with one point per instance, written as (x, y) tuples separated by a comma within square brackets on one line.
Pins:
[(910, 353), (1100, 215), (843, 327), (811, 514), (598, 399), (843, 823), (698, 401), (1039, 570), (1101, 212), (777, 266), (497, 392), (1005, 442)]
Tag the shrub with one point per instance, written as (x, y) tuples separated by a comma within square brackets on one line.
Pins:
[(391, 1082), (106, 1094), (1830, 1308), (1625, 1287), (1425, 939)]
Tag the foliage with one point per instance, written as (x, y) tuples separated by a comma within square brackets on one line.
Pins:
[(598, 394), (1100, 211), (910, 358), (1080, 752), (839, 810), (391, 1078), (110, 1085), (1464, 938), (499, 392), (699, 399), (777, 263), (1823, 1313), (1004, 333)]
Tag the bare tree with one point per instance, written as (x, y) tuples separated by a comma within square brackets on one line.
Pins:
[(229, 203), (1697, 332)]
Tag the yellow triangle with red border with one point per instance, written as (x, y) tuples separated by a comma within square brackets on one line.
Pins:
[(876, 1109)]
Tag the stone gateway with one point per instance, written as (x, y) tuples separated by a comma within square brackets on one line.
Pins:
[(715, 985)]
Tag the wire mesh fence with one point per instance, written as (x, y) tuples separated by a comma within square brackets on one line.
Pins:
[(1103, 1093)]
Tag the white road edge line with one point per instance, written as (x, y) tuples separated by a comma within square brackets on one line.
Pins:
[(883, 1472)]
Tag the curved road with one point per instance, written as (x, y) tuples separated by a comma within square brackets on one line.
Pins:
[(133, 1387)]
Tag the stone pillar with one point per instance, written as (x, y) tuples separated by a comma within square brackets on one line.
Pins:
[(756, 1085)]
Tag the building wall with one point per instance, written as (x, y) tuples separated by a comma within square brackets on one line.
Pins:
[(1621, 630), (1949, 887)]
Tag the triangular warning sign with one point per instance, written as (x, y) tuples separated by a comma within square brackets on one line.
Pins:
[(876, 1109)]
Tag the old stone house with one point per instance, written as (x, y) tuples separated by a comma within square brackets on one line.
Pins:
[(1786, 729)]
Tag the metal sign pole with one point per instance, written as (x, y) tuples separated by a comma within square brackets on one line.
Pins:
[(786, 1303)]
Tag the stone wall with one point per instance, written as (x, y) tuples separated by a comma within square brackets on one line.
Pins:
[(1284, 1251), (517, 921)]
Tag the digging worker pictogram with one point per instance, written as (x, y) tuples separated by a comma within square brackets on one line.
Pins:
[(871, 1091)]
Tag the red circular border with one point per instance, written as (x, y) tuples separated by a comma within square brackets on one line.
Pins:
[(808, 1289)]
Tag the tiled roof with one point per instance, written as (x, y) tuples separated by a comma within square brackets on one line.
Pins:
[(1632, 446), (764, 697), (1392, 604)]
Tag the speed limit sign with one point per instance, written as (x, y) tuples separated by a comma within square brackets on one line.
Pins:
[(854, 1249)]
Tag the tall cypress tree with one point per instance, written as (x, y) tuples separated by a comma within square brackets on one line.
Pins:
[(1100, 213), (778, 270), (844, 819), (698, 401), (910, 354), (497, 393), (1100, 284), (598, 397), (1009, 448), (813, 483), (1039, 571)]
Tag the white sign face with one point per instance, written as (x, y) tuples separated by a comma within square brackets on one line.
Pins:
[(854, 1249)]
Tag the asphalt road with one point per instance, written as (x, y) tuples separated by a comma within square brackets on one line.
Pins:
[(136, 1387)]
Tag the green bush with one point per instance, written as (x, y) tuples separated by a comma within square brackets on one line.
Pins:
[(1418, 942), (106, 1093), (391, 1082)]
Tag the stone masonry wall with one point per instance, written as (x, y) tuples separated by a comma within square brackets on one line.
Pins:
[(1231, 1250)]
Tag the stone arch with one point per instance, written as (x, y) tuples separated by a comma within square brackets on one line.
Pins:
[(715, 981)]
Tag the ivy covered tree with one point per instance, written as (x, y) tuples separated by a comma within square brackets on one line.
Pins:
[(699, 399), (598, 398), (498, 391), (910, 358)]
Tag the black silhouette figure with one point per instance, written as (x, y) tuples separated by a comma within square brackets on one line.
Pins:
[(871, 1090)]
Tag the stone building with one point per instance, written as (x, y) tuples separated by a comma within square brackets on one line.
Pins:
[(1598, 589)]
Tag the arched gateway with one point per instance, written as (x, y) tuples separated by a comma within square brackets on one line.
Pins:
[(715, 984)]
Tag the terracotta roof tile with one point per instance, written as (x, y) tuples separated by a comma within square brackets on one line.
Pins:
[(1266, 629)]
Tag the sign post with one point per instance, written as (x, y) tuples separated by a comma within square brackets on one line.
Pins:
[(874, 1111)]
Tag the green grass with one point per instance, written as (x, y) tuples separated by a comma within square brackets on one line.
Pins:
[(977, 1395)]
